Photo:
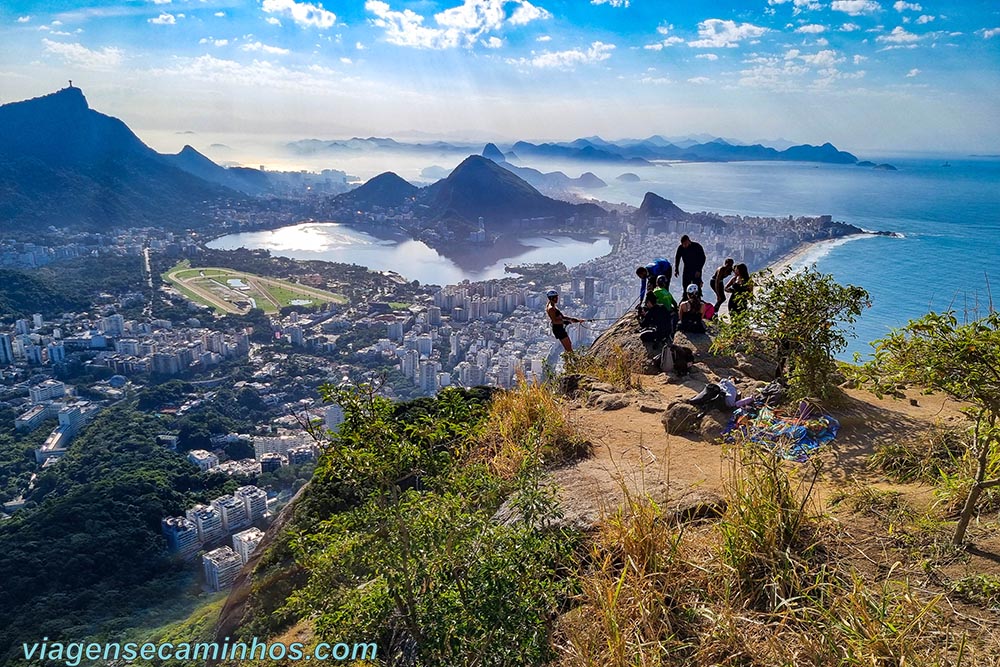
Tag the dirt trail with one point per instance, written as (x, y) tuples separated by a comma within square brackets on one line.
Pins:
[(634, 454)]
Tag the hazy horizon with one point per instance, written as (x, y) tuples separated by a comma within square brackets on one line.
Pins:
[(868, 76)]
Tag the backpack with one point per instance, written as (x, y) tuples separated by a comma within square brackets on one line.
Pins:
[(666, 358), (683, 358)]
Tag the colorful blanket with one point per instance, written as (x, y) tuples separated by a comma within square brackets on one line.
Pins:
[(793, 437)]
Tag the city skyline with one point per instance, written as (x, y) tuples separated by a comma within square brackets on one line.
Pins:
[(865, 75)]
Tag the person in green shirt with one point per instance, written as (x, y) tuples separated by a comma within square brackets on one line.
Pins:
[(666, 299), (663, 295)]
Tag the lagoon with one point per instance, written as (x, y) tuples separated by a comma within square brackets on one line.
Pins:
[(415, 260)]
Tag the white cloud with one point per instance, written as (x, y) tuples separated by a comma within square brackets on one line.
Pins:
[(717, 33), (347, 61), (273, 20), (597, 52), (613, 3), (825, 58), (659, 46), (855, 7), (655, 80), (811, 28), (772, 73), (912, 73), (160, 2), (699, 80), (264, 48), (80, 56), (989, 33), (826, 77), (464, 24), (527, 12), (925, 18), (860, 59), (492, 43), (901, 6), (359, 46), (219, 15), (799, 5), (822, 41), (406, 28), (164, 19), (850, 27), (708, 56), (213, 41), (544, 38), (23, 19), (303, 14), (669, 41), (898, 36), (257, 74)]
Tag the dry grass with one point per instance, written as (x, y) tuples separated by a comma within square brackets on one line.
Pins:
[(620, 368), (923, 458), (527, 424), (764, 585), (634, 606), (770, 538)]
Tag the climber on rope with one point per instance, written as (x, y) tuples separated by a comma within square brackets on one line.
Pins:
[(559, 321)]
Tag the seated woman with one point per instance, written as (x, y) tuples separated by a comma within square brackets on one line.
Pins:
[(740, 288), (693, 312), (656, 324)]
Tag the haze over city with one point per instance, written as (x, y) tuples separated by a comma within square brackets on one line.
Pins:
[(865, 75)]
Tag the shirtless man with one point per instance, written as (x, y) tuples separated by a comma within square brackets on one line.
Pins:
[(559, 321)]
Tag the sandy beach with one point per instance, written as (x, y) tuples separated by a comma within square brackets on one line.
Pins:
[(806, 254)]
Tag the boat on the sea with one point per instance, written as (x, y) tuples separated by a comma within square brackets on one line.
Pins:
[(946, 164)]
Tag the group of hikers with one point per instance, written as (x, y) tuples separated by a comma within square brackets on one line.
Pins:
[(659, 314)]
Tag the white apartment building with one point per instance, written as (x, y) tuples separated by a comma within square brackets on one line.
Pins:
[(208, 521), (205, 460), (181, 534), (244, 542), (47, 391), (221, 567), (233, 513), (254, 500)]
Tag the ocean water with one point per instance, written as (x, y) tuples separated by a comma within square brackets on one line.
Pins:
[(949, 218)]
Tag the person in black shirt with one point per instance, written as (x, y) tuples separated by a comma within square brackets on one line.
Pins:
[(740, 288), (693, 256), (656, 323), (719, 282)]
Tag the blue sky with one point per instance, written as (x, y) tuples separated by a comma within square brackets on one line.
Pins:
[(864, 74)]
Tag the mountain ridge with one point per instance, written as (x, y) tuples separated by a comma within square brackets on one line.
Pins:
[(65, 163)]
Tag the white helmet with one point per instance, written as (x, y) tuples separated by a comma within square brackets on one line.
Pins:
[(551, 293), (692, 289)]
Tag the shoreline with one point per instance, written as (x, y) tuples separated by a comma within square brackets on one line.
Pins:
[(808, 253)]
